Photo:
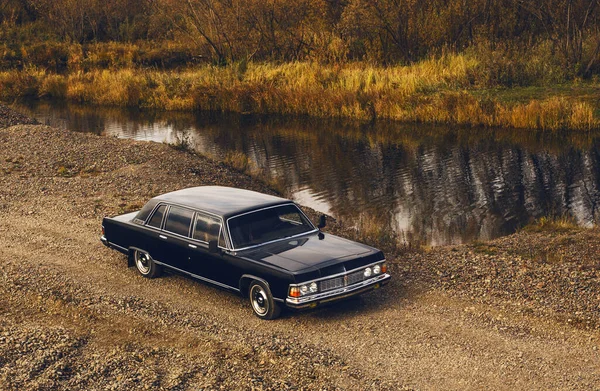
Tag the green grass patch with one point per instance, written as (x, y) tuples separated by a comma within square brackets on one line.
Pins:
[(584, 92), (485, 248)]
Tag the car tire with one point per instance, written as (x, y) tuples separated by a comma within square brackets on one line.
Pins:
[(145, 264), (261, 301)]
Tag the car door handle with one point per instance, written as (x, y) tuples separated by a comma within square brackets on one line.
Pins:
[(192, 246), (162, 237)]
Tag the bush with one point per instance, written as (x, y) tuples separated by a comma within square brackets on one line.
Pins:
[(24, 84), (510, 65), (52, 56), (54, 86)]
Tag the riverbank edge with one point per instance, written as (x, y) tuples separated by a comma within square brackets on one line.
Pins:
[(435, 91), (548, 270)]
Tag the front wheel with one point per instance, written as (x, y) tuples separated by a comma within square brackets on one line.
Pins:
[(145, 264), (262, 301)]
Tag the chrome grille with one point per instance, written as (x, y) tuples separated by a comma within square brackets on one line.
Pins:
[(355, 277), (339, 282), (333, 283)]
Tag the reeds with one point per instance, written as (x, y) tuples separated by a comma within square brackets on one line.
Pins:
[(437, 90), (555, 224)]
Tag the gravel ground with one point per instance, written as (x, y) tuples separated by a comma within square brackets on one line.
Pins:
[(549, 274), (9, 117), (519, 312)]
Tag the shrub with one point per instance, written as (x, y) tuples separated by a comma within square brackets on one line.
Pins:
[(54, 86)]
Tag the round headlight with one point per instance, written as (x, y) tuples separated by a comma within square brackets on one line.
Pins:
[(376, 269), (368, 272), (313, 287), (304, 289)]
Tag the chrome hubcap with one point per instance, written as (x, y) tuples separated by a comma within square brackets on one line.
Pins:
[(260, 303), (142, 262)]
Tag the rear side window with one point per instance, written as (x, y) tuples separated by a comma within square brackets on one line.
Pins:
[(207, 228), (157, 217), (179, 220), (144, 212)]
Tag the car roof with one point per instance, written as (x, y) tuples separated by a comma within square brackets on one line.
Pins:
[(221, 200)]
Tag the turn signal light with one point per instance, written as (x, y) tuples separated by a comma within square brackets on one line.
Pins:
[(294, 291), (384, 267)]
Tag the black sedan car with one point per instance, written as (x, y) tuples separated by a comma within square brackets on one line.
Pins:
[(258, 245)]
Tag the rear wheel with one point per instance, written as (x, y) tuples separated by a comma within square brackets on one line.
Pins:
[(262, 301), (145, 264)]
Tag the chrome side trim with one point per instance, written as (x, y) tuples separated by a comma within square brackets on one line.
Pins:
[(197, 276), (109, 244), (271, 241), (343, 292), (119, 247)]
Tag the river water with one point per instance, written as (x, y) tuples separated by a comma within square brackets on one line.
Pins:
[(428, 184)]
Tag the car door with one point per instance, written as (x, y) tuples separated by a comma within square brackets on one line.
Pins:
[(215, 267), (174, 237), (151, 241)]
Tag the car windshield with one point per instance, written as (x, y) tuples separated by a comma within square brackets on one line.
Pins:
[(268, 224)]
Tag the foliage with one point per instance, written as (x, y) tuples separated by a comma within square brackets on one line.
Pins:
[(438, 61), (437, 90), (333, 31), (182, 142)]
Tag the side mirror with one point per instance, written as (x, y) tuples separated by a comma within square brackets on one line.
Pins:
[(322, 222), (213, 248)]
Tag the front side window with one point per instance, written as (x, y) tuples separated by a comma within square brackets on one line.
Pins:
[(179, 220), (221, 242), (207, 228), (267, 225), (157, 217)]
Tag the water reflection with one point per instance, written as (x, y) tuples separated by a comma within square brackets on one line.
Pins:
[(429, 185)]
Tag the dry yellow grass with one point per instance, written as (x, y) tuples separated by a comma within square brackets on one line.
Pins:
[(240, 162), (436, 90), (553, 224)]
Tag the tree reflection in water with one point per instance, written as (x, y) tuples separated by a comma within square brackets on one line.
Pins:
[(429, 184)]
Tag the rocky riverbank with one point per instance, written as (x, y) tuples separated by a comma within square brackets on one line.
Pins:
[(520, 312), (9, 117)]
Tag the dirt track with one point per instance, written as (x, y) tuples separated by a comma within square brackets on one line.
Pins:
[(73, 316)]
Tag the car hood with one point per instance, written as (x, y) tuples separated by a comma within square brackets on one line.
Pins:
[(309, 252)]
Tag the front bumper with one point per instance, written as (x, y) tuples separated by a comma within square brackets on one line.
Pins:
[(338, 294), (104, 241)]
